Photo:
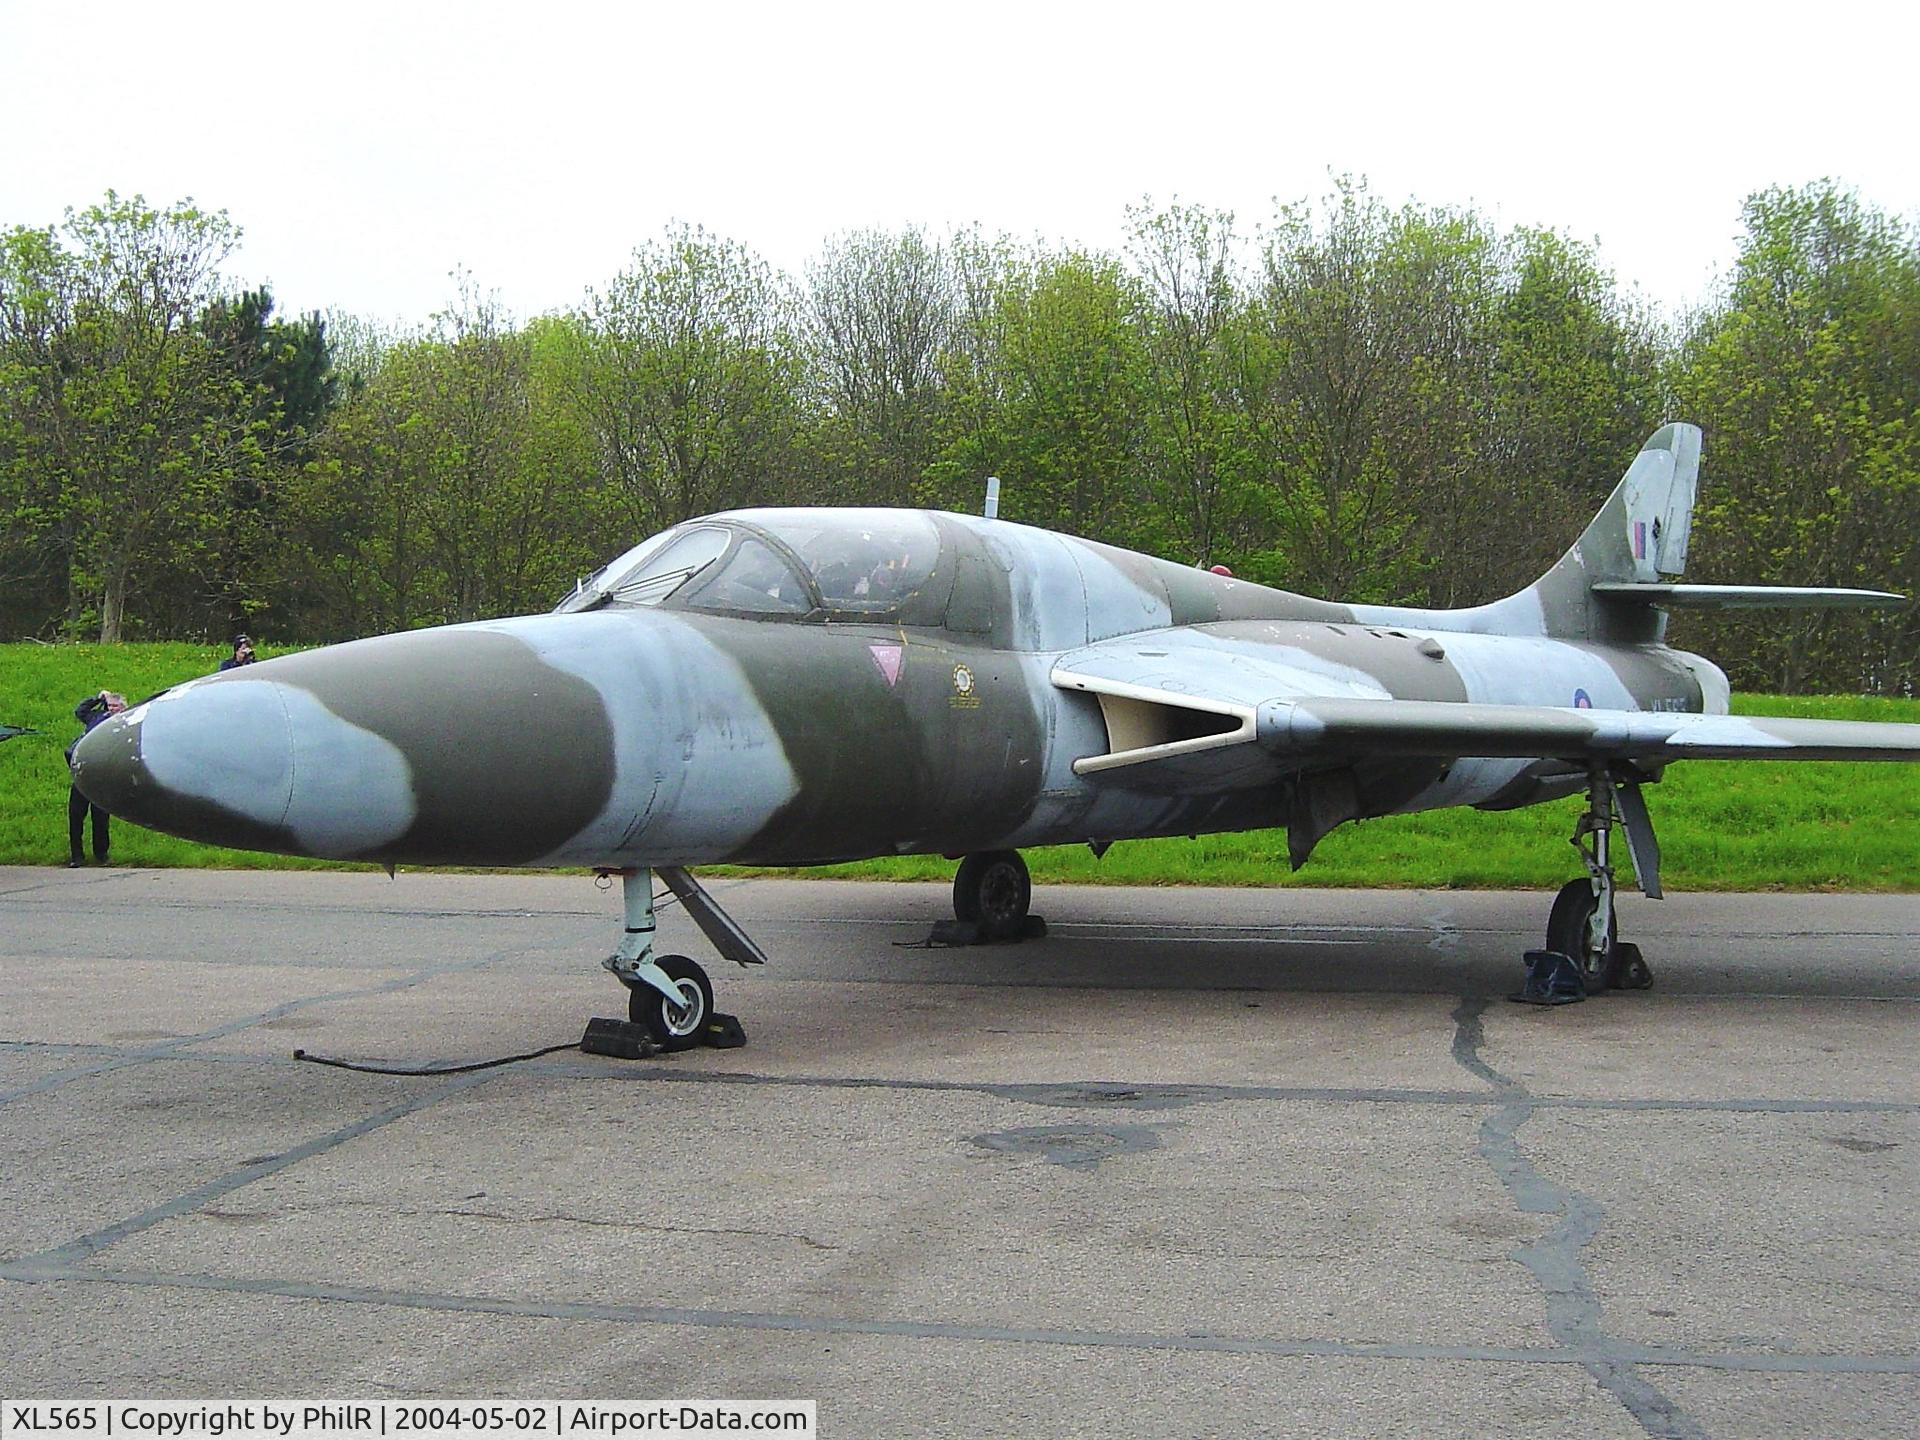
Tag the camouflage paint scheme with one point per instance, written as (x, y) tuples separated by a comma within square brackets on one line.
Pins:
[(1019, 688)]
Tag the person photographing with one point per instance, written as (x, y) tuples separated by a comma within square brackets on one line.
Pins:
[(89, 712), (242, 654)]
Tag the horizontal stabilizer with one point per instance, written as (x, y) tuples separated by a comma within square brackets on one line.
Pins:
[(1748, 597)]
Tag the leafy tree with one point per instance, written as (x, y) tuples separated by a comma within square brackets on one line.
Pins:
[(36, 533), (448, 487), (881, 316), (1807, 381), (1052, 402), (1359, 388), (1197, 458), (688, 381), (1575, 384), (121, 403)]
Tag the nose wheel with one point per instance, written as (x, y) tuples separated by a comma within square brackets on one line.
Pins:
[(670, 996), (674, 1026)]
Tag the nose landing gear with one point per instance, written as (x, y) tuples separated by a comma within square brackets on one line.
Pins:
[(671, 995)]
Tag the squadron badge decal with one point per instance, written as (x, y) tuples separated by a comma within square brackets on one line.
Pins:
[(964, 695)]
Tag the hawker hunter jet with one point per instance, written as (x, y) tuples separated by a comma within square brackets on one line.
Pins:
[(802, 686)]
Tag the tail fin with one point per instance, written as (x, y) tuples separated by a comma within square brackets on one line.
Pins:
[(1640, 534)]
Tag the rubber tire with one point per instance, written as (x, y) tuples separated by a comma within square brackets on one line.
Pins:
[(993, 890), (647, 1006), (1567, 932)]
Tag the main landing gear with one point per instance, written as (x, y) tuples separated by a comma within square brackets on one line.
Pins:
[(670, 995), (1582, 925), (991, 895), (992, 890)]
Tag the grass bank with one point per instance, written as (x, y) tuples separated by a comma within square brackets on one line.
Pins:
[(1724, 825)]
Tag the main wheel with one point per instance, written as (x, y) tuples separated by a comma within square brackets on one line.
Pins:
[(674, 1027), (1569, 930), (993, 890)]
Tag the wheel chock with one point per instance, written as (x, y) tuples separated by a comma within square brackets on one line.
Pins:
[(624, 1040), (1628, 970), (958, 933), (723, 1032), (621, 1039), (1552, 979)]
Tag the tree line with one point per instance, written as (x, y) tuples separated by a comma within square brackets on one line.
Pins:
[(1362, 401)]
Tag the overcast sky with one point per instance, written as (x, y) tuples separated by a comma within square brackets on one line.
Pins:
[(369, 148)]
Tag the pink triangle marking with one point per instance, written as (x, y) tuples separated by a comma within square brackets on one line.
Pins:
[(887, 657)]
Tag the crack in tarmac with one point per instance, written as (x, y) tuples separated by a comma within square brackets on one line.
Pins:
[(1066, 1094), (172, 1049), (413, 1212), (1612, 1358), (1574, 1315)]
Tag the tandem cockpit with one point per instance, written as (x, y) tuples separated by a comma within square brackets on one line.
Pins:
[(800, 564)]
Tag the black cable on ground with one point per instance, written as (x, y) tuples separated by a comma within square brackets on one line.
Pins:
[(432, 1069)]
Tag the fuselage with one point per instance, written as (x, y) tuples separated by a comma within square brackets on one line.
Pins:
[(798, 687)]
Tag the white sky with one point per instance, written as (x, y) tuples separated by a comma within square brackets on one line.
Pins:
[(369, 148)]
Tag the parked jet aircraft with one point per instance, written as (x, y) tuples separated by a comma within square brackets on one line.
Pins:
[(795, 687)]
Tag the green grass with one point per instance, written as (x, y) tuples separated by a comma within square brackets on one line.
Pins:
[(39, 686), (1723, 825)]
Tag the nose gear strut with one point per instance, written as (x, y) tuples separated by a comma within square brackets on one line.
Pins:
[(671, 994)]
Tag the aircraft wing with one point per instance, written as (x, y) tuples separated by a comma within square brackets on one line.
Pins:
[(1437, 727), (1186, 709)]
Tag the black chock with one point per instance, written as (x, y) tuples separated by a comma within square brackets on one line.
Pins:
[(723, 1032), (954, 932), (969, 932), (1552, 979), (622, 1039)]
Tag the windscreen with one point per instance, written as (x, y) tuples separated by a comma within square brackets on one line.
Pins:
[(651, 571)]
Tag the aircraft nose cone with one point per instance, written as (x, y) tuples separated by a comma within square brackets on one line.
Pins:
[(246, 762), (104, 763), (210, 761)]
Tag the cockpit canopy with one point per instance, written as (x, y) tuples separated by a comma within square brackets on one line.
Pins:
[(774, 564)]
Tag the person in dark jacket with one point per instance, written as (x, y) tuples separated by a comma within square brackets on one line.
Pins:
[(242, 654), (89, 712)]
